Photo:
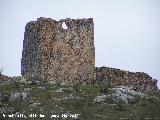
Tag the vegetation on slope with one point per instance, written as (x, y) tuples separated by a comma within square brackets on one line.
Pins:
[(55, 99)]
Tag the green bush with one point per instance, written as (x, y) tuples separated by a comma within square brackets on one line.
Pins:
[(105, 88), (89, 88), (76, 87), (121, 105)]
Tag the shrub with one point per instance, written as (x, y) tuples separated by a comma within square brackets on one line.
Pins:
[(89, 88), (105, 88), (1, 70), (76, 87), (121, 105), (16, 85)]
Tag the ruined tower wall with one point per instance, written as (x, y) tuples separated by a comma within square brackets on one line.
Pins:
[(138, 80), (53, 53)]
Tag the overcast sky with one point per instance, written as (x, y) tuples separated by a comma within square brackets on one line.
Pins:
[(127, 32)]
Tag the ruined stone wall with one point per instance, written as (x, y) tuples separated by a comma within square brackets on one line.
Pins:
[(138, 80), (54, 53)]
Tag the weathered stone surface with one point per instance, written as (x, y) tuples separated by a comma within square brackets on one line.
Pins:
[(19, 95), (53, 53), (123, 94), (120, 93), (137, 80)]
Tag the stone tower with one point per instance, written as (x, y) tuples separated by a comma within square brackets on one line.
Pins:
[(53, 53)]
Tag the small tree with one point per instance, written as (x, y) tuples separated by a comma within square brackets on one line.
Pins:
[(1, 70), (121, 105)]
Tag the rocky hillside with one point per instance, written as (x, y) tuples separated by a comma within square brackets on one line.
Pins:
[(45, 100)]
